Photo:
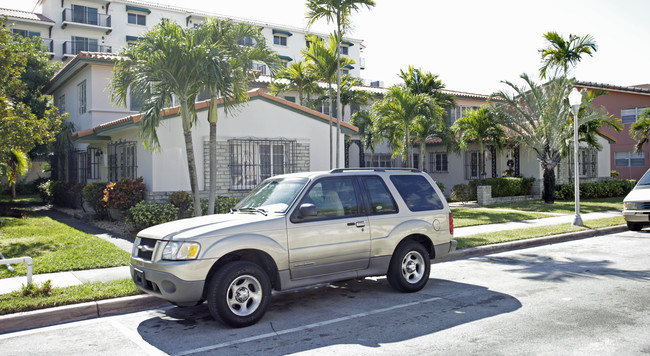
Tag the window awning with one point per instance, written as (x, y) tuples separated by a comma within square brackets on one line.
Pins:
[(133, 38), (349, 44), (135, 8), (349, 66), (282, 32), (285, 58)]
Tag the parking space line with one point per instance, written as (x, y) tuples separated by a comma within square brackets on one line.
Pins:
[(136, 338), (304, 327)]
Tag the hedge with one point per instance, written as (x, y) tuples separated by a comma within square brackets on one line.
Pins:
[(606, 189), (145, 214), (504, 186)]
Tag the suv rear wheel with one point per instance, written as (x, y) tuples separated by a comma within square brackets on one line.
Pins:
[(409, 267), (239, 294)]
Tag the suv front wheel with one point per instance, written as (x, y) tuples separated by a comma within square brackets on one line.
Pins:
[(409, 267), (239, 294)]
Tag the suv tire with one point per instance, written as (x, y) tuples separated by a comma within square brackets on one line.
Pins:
[(409, 267), (239, 294), (634, 227)]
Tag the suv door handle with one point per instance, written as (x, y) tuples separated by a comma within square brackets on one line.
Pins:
[(361, 224)]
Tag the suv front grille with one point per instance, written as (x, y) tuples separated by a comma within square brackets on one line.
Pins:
[(645, 205), (146, 248)]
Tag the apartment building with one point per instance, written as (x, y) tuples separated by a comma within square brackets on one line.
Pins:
[(68, 27)]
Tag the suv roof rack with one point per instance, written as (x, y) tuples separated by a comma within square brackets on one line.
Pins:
[(341, 170)]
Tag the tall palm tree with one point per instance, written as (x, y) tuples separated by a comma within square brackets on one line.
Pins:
[(322, 61), (163, 65), (367, 131), (420, 82), (537, 116), (296, 77), (561, 53), (337, 11), (640, 130), (349, 95), (477, 126), (16, 165), (225, 74), (396, 113), (433, 124)]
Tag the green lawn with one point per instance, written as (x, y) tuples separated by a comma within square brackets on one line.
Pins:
[(470, 217), (17, 302), (55, 247), (566, 207), (32, 198), (527, 233)]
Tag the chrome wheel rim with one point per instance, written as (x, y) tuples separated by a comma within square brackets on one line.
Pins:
[(244, 295), (413, 267)]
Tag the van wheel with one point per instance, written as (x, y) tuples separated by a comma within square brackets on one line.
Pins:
[(239, 294), (634, 227), (409, 267)]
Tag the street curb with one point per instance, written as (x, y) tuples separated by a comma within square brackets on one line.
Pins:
[(76, 312), (537, 241)]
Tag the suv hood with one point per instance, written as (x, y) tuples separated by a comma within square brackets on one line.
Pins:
[(195, 227), (639, 193)]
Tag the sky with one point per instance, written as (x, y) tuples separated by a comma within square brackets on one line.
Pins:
[(472, 45)]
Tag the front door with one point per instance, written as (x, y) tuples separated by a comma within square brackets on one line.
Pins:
[(337, 238)]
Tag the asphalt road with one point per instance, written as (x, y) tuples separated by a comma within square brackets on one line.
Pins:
[(580, 297)]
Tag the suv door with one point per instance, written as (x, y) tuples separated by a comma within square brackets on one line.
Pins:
[(336, 238)]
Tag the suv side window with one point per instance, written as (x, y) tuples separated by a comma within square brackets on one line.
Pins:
[(380, 199), (417, 193), (333, 197)]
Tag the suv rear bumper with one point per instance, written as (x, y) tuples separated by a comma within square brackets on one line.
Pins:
[(167, 286), (445, 249)]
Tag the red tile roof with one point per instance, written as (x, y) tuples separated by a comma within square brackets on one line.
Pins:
[(25, 15)]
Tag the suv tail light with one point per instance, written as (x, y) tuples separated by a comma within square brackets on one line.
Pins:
[(451, 224)]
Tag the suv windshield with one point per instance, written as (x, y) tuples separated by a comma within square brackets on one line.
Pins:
[(273, 195)]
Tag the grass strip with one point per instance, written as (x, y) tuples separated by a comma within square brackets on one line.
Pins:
[(470, 217), (528, 233), (17, 302), (55, 247), (564, 206)]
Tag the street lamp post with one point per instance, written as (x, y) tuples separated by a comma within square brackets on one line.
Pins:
[(575, 99)]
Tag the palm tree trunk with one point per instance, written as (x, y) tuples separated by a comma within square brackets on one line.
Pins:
[(191, 162), (423, 152), (339, 115), (549, 186), (212, 119), (409, 148)]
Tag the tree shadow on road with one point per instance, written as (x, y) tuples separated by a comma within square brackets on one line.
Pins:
[(363, 312)]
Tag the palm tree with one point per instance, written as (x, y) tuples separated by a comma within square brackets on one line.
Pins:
[(163, 65), (419, 82), (640, 130), (433, 124), (337, 11), (562, 53), (367, 131), (350, 95), (477, 126), (589, 131), (396, 113), (537, 116), (225, 74), (296, 77), (16, 165), (322, 61)]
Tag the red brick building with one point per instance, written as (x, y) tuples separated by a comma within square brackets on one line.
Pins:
[(625, 103)]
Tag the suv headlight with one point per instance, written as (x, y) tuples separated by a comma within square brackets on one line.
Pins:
[(630, 205), (180, 250)]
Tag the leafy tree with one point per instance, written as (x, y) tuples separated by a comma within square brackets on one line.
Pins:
[(322, 61), (27, 117), (640, 130), (337, 11), (163, 65), (296, 77), (478, 126), (225, 74), (397, 112), (537, 116), (561, 53)]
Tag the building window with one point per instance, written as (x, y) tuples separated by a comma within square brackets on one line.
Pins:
[(457, 112), (629, 159), (472, 164), (253, 160), (93, 158), (246, 41), (344, 50), (380, 160), (438, 162), (81, 97), (136, 100), (587, 163), (290, 98), (630, 116), (83, 14), (325, 108), (122, 160), (137, 19), (279, 40), (26, 33), (61, 103), (84, 44)]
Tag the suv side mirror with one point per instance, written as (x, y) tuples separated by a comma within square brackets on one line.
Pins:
[(307, 210)]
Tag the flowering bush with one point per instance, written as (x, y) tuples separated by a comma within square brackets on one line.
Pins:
[(183, 201), (124, 193)]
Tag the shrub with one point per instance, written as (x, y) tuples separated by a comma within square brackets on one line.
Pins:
[(606, 189), (222, 205), (441, 186), (124, 193), (46, 191), (182, 201), (613, 174), (460, 192), (505, 186), (66, 194), (145, 214), (93, 195)]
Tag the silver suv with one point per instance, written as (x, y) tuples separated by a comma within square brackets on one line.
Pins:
[(297, 230)]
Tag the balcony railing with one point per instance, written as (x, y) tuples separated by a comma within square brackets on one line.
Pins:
[(258, 67), (88, 16), (48, 44), (71, 48)]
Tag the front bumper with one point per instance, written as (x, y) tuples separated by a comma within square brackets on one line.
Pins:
[(167, 286), (637, 216)]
